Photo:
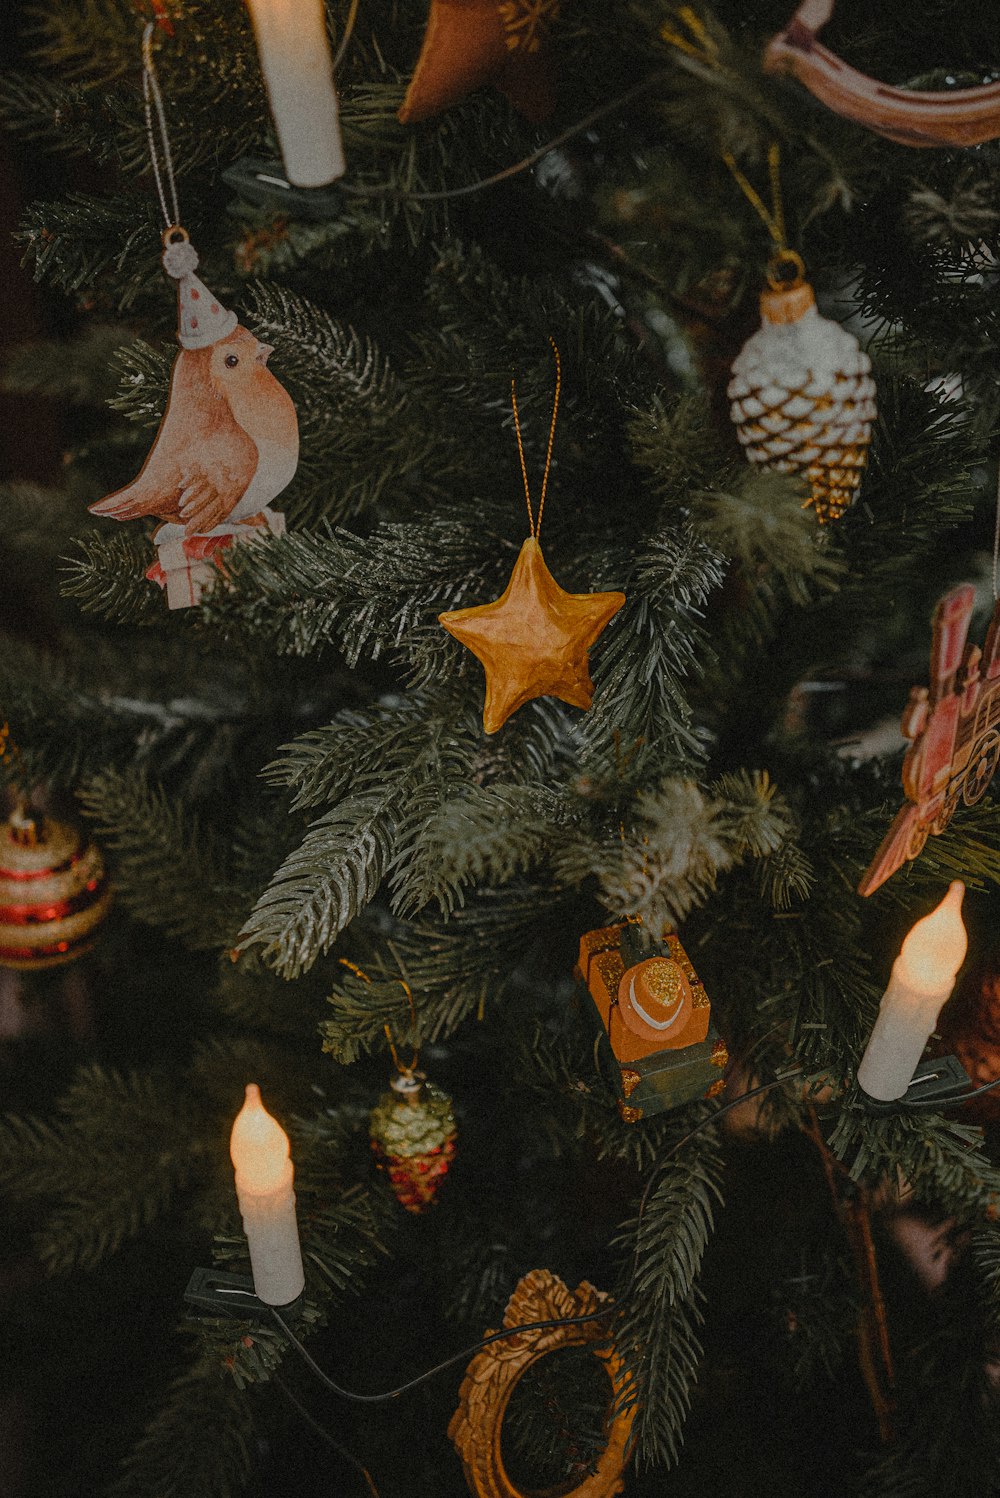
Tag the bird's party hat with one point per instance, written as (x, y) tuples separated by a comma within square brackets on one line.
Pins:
[(201, 318)]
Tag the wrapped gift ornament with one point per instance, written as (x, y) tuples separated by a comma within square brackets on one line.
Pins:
[(186, 566), (54, 892), (802, 395), (413, 1135), (653, 1019)]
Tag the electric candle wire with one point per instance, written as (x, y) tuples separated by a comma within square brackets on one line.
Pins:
[(936, 1104)]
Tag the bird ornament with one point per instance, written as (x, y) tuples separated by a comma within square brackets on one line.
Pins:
[(227, 446)]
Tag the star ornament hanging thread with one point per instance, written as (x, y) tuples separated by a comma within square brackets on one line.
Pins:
[(534, 640)]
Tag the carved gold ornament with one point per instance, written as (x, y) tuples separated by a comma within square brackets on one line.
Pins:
[(491, 1377)]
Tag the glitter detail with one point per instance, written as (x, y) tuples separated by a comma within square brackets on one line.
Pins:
[(525, 22), (630, 1080)]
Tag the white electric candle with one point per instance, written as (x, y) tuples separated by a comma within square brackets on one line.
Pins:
[(295, 60), (923, 976), (264, 1175)]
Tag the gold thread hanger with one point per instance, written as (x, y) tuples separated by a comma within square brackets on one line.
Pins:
[(535, 526)]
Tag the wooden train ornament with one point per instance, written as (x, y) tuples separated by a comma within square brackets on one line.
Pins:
[(954, 731), (653, 1019)]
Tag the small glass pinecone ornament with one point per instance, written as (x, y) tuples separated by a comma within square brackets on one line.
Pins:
[(54, 892), (803, 398), (413, 1137)]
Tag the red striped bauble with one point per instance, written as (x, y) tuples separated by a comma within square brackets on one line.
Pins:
[(54, 892)]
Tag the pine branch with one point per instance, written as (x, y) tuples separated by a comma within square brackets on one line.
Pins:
[(108, 577), (199, 1443), (942, 1161), (171, 870), (115, 1161), (657, 1330)]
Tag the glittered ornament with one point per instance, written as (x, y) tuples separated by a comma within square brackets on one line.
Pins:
[(413, 1135), (54, 892), (803, 398), (534, 640)]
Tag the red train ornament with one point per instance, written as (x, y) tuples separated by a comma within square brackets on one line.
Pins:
[(954, 731)]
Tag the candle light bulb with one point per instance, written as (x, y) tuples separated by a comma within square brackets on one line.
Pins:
[(258, 1146), (935, 948), (923, 976)]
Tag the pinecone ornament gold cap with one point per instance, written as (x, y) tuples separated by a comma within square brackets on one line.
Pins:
[(802, 395)]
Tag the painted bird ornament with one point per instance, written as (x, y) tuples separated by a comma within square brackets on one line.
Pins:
[(227, 446)]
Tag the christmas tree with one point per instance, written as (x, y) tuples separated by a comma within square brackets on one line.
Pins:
[(329, 871)]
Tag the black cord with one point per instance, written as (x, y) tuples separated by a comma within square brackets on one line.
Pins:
[(935, 1104), (533, 1326), (324, 1434), (355, 191), (938, 1104)]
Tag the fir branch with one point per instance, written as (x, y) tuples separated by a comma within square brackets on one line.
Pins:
[(482, 834), (143, 377), (108, 577), (657, 1330), (172, 870), (78, 369), (659, 625), (456, 967), (328, 880), (942, 1161), (349, 405), (114, 1160), (86, 239), (199, 1442)]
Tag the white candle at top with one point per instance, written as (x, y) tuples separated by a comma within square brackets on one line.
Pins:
[(295, 60), (259, 1150), (923, 976)]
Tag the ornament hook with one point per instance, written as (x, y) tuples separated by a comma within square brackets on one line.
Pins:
[(404, 1071)]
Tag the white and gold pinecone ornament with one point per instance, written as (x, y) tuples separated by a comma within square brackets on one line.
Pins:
[(803, 398)]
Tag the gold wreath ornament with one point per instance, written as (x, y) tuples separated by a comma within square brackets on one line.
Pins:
[(492, 1376)]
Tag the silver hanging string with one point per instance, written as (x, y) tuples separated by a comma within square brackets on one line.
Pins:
[(153, 99)]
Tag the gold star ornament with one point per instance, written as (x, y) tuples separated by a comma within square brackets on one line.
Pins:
[(534, 639)]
